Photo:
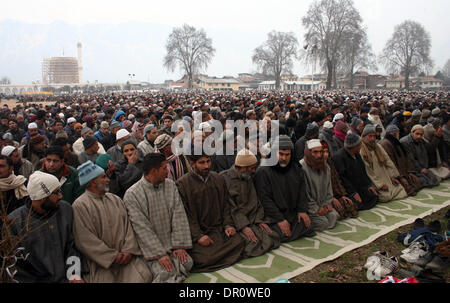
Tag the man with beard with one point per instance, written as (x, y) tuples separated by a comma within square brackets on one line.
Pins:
[(205, 196), (379, 167), (159, 221), (416, 147), (103, 232), (246, 209), (352, 170), (282, 192), (402, 160), (44, 225), (327, 135), (319, 191), (21, 166), (68, 176)]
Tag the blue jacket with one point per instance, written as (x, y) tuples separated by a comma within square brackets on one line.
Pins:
[(424, 233)]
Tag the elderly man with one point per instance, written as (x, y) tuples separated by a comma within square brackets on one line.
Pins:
[(436, 152), (177, 166), (205, 196), (103, 232), (379, 167), (67, 175), (416, 147), (282, 192), (147, 146), (21, 166), (319, 191), (352, 170), (44, 224), (78, 146), (159, 221), (402, 160), (246, 209)]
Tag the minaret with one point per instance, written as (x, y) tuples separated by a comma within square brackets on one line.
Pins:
[(80, 64)]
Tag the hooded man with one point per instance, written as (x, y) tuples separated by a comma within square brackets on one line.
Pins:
[(312, 132), (282, 192), (159, 221), (379, 167), (44, 224), (319, 191), (327, 135), (103, 232), (246, 209)]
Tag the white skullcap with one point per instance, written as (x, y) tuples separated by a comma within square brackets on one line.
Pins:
[(71, 120), (61, 115), (8, 150), (32, 126), (339, 116), (328, 124), (121, 134), (41, 185), (314, 143)]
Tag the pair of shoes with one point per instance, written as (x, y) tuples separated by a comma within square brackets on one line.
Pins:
[(417, 253), (380, 265)]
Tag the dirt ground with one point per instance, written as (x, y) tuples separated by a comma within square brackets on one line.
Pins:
[(13, 102), (349, 267)]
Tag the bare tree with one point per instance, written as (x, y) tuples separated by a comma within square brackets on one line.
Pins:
[(190, 49), (408, 50), (446, 69), (276, 55), (326, 22), (357, 54), (5, 80)]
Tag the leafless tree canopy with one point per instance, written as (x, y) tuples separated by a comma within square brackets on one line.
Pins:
[(189, 49), (327, 23), (446, 69), (408, 50), (276, 55)]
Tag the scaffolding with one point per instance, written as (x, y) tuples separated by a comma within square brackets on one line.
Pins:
[(60, 70)]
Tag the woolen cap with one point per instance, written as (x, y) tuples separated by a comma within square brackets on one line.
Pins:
[(41, 185), (103, 160), (85, 130), (352, 140), (114, 124), (392, 129), (416, 127), (416, 113), (245, 158), (89, 171), (162, 141), (369, 129), (89, 141), (148, 128), (283, 142)]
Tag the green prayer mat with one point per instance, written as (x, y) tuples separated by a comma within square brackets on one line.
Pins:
[(297, 257)]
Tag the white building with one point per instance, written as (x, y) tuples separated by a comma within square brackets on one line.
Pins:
[(304, 85)]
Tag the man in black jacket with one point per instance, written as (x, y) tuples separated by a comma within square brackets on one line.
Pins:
[(282, 192)]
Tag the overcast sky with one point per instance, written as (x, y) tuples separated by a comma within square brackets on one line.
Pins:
[(247, 16)]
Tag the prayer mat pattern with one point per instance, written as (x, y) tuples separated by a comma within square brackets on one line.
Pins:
[(297, 257)]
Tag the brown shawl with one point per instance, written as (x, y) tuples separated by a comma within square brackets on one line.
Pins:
[(366, 154)]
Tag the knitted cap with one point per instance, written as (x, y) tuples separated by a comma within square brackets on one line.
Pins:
[(245, 158), (283, 142), (148, 128), (162, 141), (113, 125), (392, 129), (369, 129), (352, 140), (89, 171), (417, 113), (89, 141), (356, 121), (85, 130), (426, 113), (122, 134), (104, 124), (103, 160), (41, 185), (416, 127)]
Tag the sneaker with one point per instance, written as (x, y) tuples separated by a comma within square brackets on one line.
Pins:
[(418, 253)]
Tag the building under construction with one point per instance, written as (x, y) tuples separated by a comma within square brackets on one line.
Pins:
[(62, 70)]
